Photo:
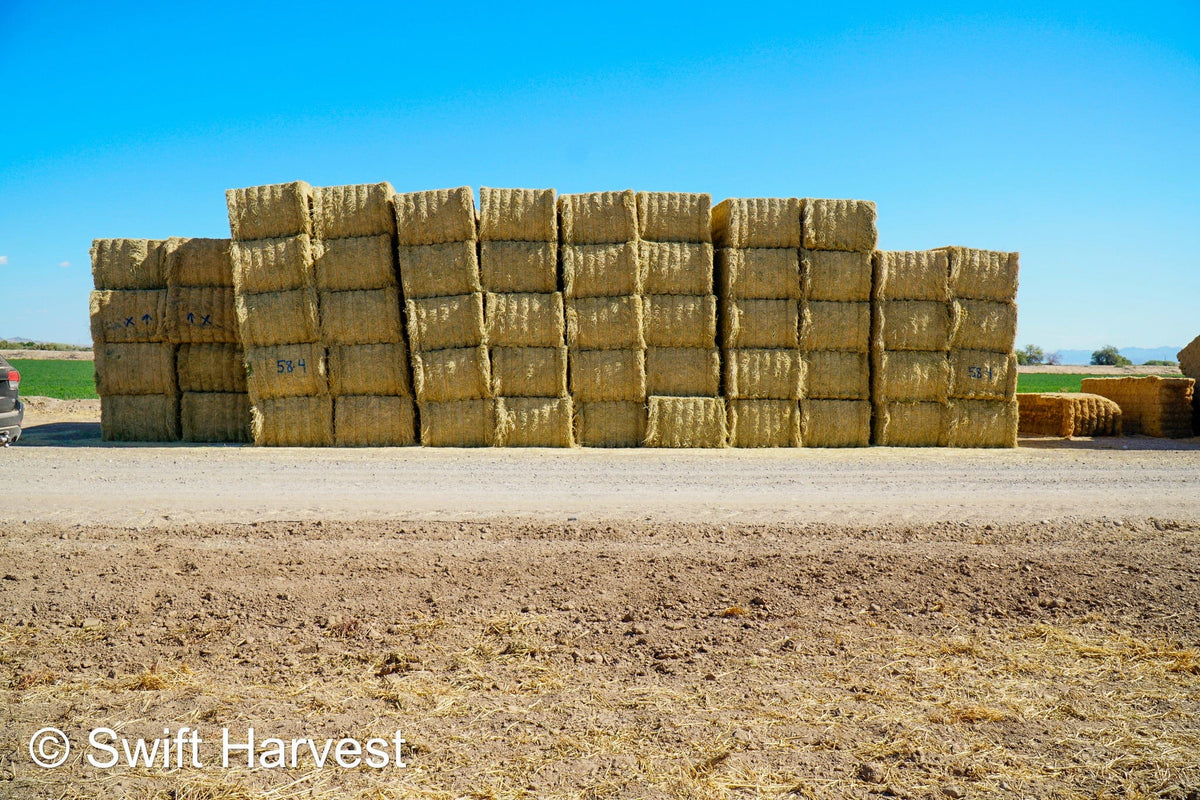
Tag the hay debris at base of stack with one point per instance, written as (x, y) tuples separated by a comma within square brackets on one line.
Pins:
[(215, 417), (1067, 414), (460, 423), (835, 423), (207, 367), (286, 370), (763, 423), (846, 225), (534, 422), (982, 423), (139, 418), (344, 212), (529, 371), (610, 424), (374, 421), (686, 422), (683, 371), (1150, 405), (293, 421), (270, 212)]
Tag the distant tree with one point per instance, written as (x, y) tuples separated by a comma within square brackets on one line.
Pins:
[(1109, 356), (1161, 362), (1031, 354), (1054, 359)]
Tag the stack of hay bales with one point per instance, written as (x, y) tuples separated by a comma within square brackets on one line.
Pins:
[(201, 320), (361, 322), (277, 311), (758, 276), (135, 364), (835, 321), (679, 322), (524, 313), (602, 284), (1189, 365), (1068, 414), (1152, 405), (439, 273)]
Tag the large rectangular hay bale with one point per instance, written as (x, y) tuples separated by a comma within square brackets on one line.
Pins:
[(835, 423), (435, 217), (921, 325), (832, 325), (597, 217), (363, 209), (1067, 414), (756, 222), (605, 323), (139, 418), (674, 217), (215, 417), (610, 424), (518, 215), (982, 423), (758, 273), (911, 375), (369, 369), (369, 316), (357, 262), (272, 265), (764, 423), (1150, 405), (607, 375), (525, 320), (912, 275), (438, 270), (277, 318), (128, 315), (374, 421), (135, 368), (292, 422), (518, 266), (836, 275), (764, 374), (683, 371), (676, 267), (752, 323), (197, 262), (444, 323), (128, 264), (286, 370), (269, 212), (983, 375), (686, 422), (460, 423), (601, 270), (839, 225), (201, 314), (676, 320), (529, 371), (462, 373), (837, 375), (911, 424), (985, 325), (1189, 359), (217, 368), (534, 422), (983, 274)]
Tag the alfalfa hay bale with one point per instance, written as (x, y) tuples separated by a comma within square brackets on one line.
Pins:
[(443, 323), (363, 209), (674, 320), (128, 264), (435, 217), (359, 262), (438, 270), (676, 267), (139, 418), (529, 371), (369, 369), (683, 371), (601, 270), (911, 375), (374, 421), (831, 325), (201, 314), (605, 323), (764, 374), (610, 424), (764, 423), (686, 422), (518, 266), (457, 374), (518, 215), (751, 323), (835, 423), (839, 225), (524, 320), (293, 422), (985, 325), (983, 375), (983, 274), (534, 422), (836, 275), (674, 216), (1189, 359), (607, 375), (369, 316), (911, 424), (758, 273), (272, 265), (128, 315), (211, 368), (837, 375), (1150, 405), (277, 318), (756, 222), (982, 423), (1067, 414), (269, 212), (215, 417), (922, 325), (912, 275), (288, 370), (135, 368), (198, 262), (460, 423), (597, 217)]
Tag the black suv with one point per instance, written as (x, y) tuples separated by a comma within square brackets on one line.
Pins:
[(11, 410)]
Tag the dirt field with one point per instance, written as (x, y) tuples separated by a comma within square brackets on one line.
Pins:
[(606, 624)]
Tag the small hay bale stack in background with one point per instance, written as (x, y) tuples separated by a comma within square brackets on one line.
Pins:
[(1189, 365), (1068, 414), (1150, 405), (134, 361), (835, 321), (525, 317), (444, 315), (277, 312)]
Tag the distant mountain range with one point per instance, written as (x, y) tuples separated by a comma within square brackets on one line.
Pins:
[(1138, 355)]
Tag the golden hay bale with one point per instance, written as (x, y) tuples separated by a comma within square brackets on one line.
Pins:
[(216, 417), (764, 423), (756, 222), (910, 375), (1189, 359), (198, 262), (676, 320), (435, 217), (201, 314), (128, 315), (1151, 405), (911, 424), (135, 368), (363, 209), (683, 371), (912, 275), (277, 318), (839, 225), (374, 421), (272, 265), (676, 267), (458, 374), (369, 369), (139, 418), (128, 264), (287, 370), (518, 215), (835, 423), (370, 316), (984, 325), (759, 374), (269, 212), (983, 274), (831, 325), (835, 275), (438, 270), (518, 266), (292, 422), (443, 323), (601, 270), (605, 323), (751, 323), (218, 368), (610, 424), (921, 325), (674, 217), (837, 375), (461, 423), (525, 320), (597, 217), (606, 375), (1068, 414), (529, 371), (686, 422), (534, 422), (982, 375), (982, 423), (758, 273), (357, 262)]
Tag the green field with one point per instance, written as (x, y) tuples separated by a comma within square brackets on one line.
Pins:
[(1055, 382), (66, 380)]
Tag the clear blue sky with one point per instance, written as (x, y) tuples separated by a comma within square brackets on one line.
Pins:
[(1070, 133)]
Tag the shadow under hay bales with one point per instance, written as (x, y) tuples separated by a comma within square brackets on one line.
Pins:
[(1108, 443)]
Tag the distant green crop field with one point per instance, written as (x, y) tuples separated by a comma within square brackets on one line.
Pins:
[(66, 380), (1056, 382)]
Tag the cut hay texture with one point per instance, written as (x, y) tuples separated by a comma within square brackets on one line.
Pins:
[(1151, 405), (272, 265), (343, 212), (835, 423), (359, 262), (597, 218), (218, 368), (686, 422), (374, 421), (847, 225), (365, 316), (534, 422), (524, 320), (757, 222), (438, 270), (369, 369), (610, 424), (198, 262), (671, 320), (764, 374), (982, 423), (269, 212), (607, 375), (128, 315), (683, 371), (293, 421), (518, 266), (1068, 414), (135, 368), (518, 215), (459, 423), (139, 418), (215, 417), (274, 318), (674, 217), (287, 370), (442, 323), (601, 270), (199, 314), (764, 423), (683, 268), (122, 264), (1189, 359), (983, 274), (438, 216), (758, 273), (529, 371), (457, 374)]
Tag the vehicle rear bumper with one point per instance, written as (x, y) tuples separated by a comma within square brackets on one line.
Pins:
[(10, 424)]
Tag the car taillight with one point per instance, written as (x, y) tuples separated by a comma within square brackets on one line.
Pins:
[(14, 378)]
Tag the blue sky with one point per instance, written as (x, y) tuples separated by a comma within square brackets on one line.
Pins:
[(1070, 133)]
